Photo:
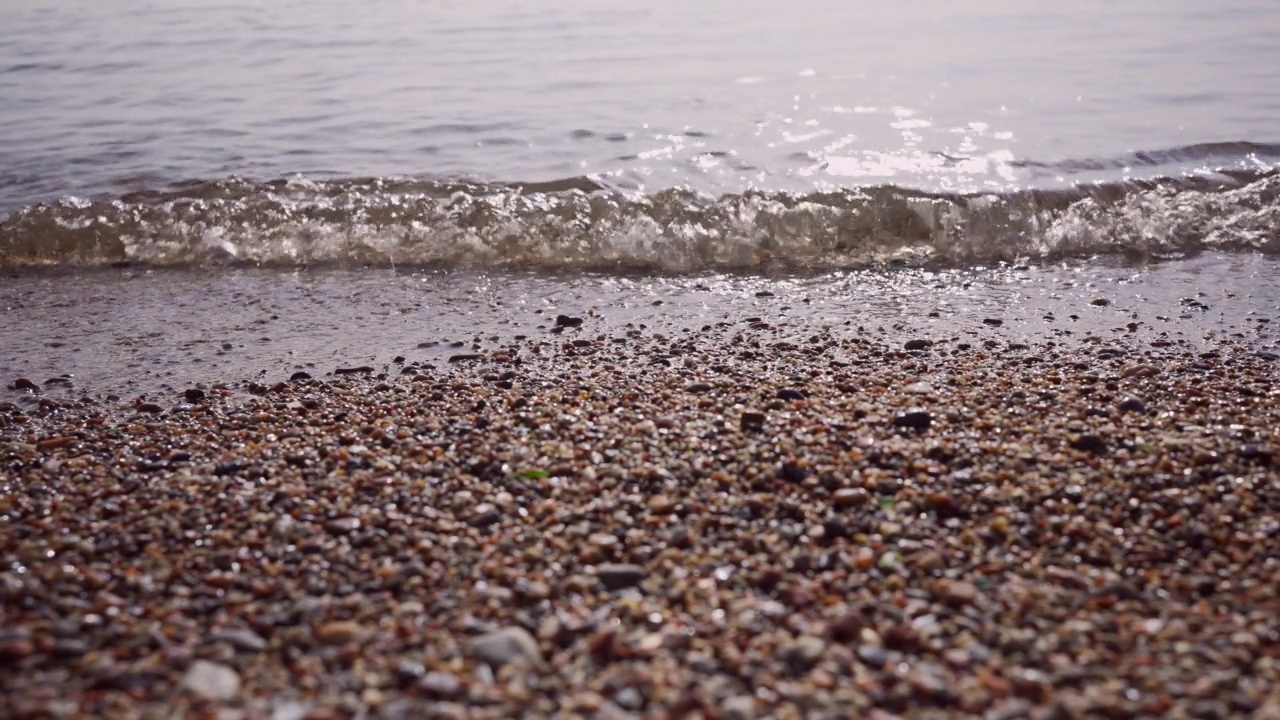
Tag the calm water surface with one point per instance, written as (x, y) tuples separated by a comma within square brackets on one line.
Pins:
[(717, 95)]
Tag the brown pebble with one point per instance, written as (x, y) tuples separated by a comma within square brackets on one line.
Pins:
[(661, 504), (54, 443), (15, 649), (955, 592), (850, 497), (338, 632)]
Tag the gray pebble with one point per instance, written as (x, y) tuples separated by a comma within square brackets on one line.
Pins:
[(616, 576), (507, 645), (240, 639), (212, 681)]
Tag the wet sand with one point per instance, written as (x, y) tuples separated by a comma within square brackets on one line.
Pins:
[(605, 521)]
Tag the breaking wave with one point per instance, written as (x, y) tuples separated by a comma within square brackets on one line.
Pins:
[(580, 223)]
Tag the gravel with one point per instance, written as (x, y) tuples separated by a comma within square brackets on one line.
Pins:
[(589, 538)]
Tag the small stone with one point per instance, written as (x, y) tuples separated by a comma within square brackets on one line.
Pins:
[(738, 707), (342, 526), (441, 685), (148, 407), (14, 649), (1088, 443), (24, 384), (300, 375), (240, 639), (505, 646), (603, 540), (914, 419), (568, 321), (1133, 405), (700, 387), (70, 647), (873, 656), (485, 514), (616, 576), (956, 593), (1099, 302), (850, 497), (918, 388), (339, 632), (660, 504), (918, 344), (361, 370), (791, 394), (805, 652), (193, 395), (211, 681), (751, 421), (1140, 371), (993, 322), (1260, 454)]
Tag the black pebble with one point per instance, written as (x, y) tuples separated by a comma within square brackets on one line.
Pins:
[(1089, 443), (568, 321), (1132, 404), (915, 419)]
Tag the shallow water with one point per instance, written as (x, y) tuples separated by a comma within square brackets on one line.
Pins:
[(399, 172), (135, 331)]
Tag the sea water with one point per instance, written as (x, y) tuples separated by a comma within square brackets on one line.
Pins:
[(194, 189)]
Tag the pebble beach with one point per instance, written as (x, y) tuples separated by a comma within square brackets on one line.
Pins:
[(746, 521)]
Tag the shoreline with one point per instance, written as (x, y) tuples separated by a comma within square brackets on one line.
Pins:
[(739, 522)]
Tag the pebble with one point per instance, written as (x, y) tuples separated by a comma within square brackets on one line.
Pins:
[(1132, 404), (738, 707), (660, 504), (850, 497), (367, 542), (752, 421), (240, 639), (507, 645), (1140, 371), (617, 576), (339, 632), (805, 651), (917, 344), (442, 685), (1088, 443), (955, 592), (914, 419), (873, 656), (211, 681)]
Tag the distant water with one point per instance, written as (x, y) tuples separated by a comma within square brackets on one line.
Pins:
[(604, 134)]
